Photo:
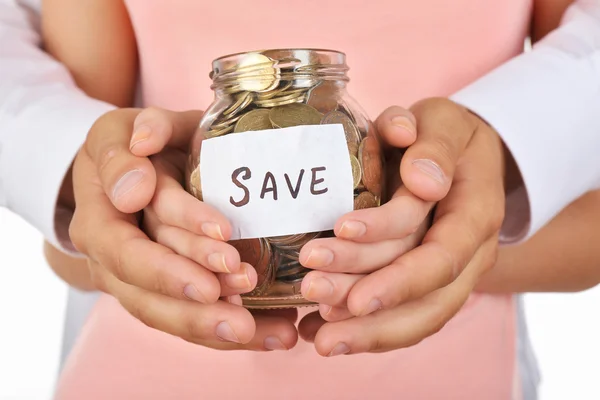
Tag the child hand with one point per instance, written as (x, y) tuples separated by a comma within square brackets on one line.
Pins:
[(417, 293), (150, 280)]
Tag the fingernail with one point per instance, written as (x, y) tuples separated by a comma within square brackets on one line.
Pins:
[(212, 230), (373, 306), (127, 183), (319, 288), (240, 280), (140, 134), (273, 343), (352, 229), (191, 292), (430, 168), (405, 123), (217, 261), (225, 333), (319, 257), (340, 348)]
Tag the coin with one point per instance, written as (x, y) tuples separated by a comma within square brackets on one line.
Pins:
[(356, 171), (285, 240), (294, 96), (262, 75), (255, 120), (224, 123), (215, 133), (243, 100), (195, 184), (353, 148), (272, 93), (369, 154), (323, 97), (293, 115), (365, 200), (338, 117)]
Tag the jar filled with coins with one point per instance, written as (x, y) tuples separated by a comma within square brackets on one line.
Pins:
[(274, 89)]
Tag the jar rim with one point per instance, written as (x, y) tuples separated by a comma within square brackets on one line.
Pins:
[(282, 49)]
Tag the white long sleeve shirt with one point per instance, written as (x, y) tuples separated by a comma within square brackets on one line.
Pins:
[(544, 104)]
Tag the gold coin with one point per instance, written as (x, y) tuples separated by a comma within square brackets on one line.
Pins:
[(222, 124), (323, 97), (255, 120), (365, 200), (260, 71), (338, 117), (243, 100), (270, 94), (195, 184), (214, 133), (353, 148), (279, 102), (294, 95), (356, 171), (369, 154), (293, 115)]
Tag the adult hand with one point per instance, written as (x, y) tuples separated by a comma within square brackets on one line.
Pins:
[(458, 160), (113, 180)]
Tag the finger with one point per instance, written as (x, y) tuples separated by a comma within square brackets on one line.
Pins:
[(190, 214), (338, 255), (405, 325), (128, 180), (397, 127), (235, 299), (413, 276), (220, 325), (114, 240), (428, 166), (396, 219), (310, 325), (242, 281), (214, 255), (332, 313), (155, 128), (328, 288), (471, 213)]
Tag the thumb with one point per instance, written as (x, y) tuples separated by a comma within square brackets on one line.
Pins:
[(156, 128), (396, 127)]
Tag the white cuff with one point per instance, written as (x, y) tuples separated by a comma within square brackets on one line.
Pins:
[(35, 160), (544, 106)]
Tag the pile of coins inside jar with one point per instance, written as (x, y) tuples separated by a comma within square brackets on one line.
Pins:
[(278, 93)]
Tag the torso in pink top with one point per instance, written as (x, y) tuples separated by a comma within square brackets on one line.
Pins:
[(399, 52)]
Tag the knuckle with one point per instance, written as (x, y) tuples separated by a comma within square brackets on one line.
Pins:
[(139, 310), (194, 328), (97, 278), (163, 277), (119, 266), (442, 150), (151, 113), (76, 233), (107, 154), (452, 264)]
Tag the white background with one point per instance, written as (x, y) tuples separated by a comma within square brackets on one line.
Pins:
[(565, 328)]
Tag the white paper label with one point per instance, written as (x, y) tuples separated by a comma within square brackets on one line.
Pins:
[(278, 181)]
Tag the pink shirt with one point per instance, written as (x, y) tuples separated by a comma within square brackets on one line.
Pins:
[(398, 51)]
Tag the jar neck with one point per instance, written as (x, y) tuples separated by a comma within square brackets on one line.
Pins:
[(265, 71)]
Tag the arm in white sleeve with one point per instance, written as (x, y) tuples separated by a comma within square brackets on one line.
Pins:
[(44, 119), (545, 104)]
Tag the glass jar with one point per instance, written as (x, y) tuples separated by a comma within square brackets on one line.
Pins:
[(280, 88)]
